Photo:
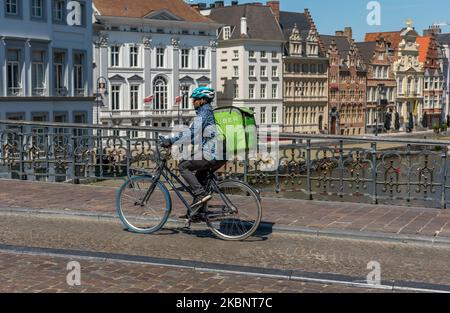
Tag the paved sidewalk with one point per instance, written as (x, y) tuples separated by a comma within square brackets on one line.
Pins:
[(328, 218)]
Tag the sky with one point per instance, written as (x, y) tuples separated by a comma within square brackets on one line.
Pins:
[(332, 15)]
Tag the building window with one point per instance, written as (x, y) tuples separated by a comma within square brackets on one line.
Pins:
[(58, 10), (251, 71), (274, 91), (226, 32), (251, 91), (185, 100), (236, 54), (160, 57), (37, 8), (13, 72), (38, 73), (274, 54), (134, 56), (263, 92), (58, 71), (274, 115), (263, 115), (78, 74), (274, 71), (251, 54), (184, 58), (115, 56), (236, 91), (263, 55), (236, 71), (160, 92), (12, 7), (202, 58), (134, 97), (263, 71), (115, 97)]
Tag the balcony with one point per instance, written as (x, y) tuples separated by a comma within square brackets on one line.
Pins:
[(39, 91), (15, 91)]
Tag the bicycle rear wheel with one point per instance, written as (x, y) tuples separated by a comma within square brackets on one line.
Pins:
[(234, 213), (138, 215)]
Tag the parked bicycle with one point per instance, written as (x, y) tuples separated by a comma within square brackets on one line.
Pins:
[(144, 203)]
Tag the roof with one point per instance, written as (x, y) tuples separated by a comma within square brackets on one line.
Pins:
[(393, 38), (342, 43), (443, 38), (366, 50), (177, 9), (288, 21), (261, 22), (424, 44)]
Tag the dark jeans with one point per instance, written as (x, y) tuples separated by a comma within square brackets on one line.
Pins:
[(195, 173)]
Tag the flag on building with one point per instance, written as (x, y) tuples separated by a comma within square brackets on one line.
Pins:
[(148, 99)]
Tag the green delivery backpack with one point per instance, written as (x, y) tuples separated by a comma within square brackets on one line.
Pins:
[(236, 128)]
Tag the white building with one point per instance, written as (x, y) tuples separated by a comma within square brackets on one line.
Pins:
[(45, 64), (250, 60), (160, 49)]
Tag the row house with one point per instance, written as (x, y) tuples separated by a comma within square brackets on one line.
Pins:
[(444, 44), (381, 85), (151, 54), (45, 61), (249, 60), (305, 75), (347, 84), (420, 75), (430, 55)]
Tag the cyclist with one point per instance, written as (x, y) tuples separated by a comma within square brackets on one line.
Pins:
[(195, 171)]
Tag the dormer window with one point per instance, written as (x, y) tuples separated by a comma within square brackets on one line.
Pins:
[(226, 33)]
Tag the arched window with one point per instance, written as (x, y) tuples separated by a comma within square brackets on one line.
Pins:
[(160, 93)]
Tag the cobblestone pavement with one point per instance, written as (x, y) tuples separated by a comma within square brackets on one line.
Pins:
[(399, 262), (314, 215), (26, 273)]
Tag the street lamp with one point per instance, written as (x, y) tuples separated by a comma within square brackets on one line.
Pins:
[(102, 89), (381, 96)]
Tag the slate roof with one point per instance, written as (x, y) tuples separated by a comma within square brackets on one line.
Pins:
[(366, 50), (261, 22), (289, 19)]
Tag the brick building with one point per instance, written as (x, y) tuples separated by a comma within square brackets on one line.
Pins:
[(430, 56), (379, 63), (347, 84)]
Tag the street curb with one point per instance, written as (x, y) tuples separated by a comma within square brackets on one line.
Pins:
[(265, 228), (283, 274)]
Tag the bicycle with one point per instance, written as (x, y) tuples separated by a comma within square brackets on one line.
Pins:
[(234, 212)]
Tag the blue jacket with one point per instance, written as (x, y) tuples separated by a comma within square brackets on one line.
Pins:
[(203, 128)]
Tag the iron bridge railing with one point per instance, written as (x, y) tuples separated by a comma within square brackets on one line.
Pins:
[(403, 171)]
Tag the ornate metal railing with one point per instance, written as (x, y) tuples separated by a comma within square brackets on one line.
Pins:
[(321, 167)]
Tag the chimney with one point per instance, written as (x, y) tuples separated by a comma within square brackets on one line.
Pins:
[(219, 4), (348, 32), (244, 26), (339, 33), (275, 5)]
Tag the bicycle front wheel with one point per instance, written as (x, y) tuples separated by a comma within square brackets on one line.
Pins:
[(234, 213), (142, 206)]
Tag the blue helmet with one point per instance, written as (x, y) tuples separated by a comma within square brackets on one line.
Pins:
[(204, 93)]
